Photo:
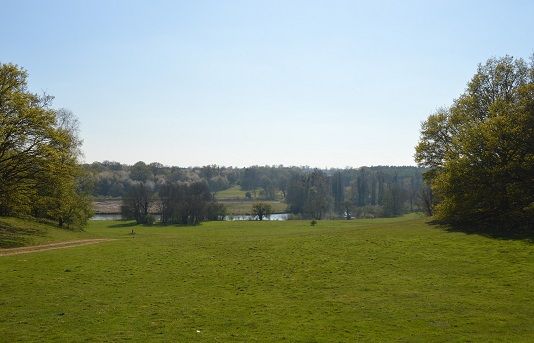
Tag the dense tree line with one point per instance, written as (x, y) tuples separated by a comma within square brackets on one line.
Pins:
[(309, 194), (113, 179), (177, 203), (137, 202), (362, 192), (480, 150), (183, 203), (39, 149)]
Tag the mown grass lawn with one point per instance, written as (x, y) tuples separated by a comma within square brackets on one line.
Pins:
[(361, 280)]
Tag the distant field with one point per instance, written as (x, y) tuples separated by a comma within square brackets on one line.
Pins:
[(232, 193), (236, 203), (362, 280), (236, 193), (245, 207)]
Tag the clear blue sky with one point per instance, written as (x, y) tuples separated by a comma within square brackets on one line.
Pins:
[(319, 83)]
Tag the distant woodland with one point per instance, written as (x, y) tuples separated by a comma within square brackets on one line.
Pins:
[(311, 193)]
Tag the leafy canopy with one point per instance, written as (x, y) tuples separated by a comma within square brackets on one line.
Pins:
[(480, 151), (39, 150)]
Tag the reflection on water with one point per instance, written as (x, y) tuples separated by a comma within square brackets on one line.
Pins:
[(276, 216), (106, 216)]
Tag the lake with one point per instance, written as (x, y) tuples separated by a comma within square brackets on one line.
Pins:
[(275, 216)]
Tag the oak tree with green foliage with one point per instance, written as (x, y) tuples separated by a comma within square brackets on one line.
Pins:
[(39, 150), (480, 151)]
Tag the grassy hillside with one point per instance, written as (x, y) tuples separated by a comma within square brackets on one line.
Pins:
[(15, 232), (371, 280)]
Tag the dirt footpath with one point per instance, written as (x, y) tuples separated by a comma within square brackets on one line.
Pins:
[(51, 246)]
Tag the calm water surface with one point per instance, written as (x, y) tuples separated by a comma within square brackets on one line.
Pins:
[(276, 216)]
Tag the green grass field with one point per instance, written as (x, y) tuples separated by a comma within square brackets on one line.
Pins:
[(362, 280)]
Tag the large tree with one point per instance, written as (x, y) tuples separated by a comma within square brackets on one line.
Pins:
[(39, 150), (310, 194), (183, 203), (480, 151), (137, 202), (261, 210)]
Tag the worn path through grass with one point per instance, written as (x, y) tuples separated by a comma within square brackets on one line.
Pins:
[(50, 246)]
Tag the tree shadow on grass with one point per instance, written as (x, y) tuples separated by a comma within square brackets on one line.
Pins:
[(12, 237), (487, 230)]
